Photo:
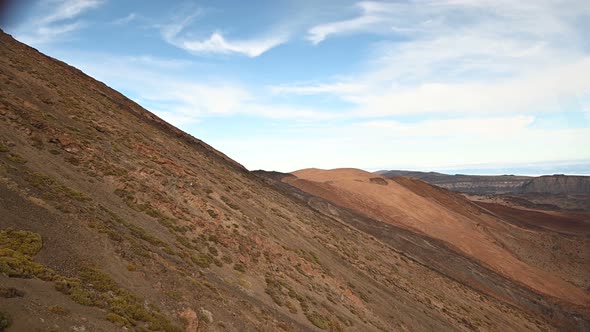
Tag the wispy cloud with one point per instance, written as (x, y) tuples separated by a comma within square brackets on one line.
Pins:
[(68, 9), (334, 88), (158, 84), (372, 15), (218, 44), (173, 33), (127, 19), (59, 21), (536, 92), (462, 56)]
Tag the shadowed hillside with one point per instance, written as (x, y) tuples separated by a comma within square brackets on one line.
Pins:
[(111, 218)]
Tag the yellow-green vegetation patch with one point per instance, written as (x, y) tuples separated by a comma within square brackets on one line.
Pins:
[(58, 310), (5, 320), (10, 292), (229, 203), (53, 189), (116, 319), (212, 213), (17, 158), (27, 243), (91, 288), (203, 260), (16, 251), (95, 288), (239, 267), (274, 289), (318, 320)]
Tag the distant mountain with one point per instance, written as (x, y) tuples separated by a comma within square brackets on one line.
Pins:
[(501, 184)]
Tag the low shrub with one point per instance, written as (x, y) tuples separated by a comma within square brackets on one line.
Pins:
[(59, 310), (5, 320), (318, 320)]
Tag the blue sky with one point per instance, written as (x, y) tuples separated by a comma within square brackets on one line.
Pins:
[(284, 85)]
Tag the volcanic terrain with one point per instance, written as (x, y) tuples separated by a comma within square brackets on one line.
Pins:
[(111, 219)]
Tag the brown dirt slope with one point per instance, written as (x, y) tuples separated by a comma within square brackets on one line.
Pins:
[(464, 226), (111, 218)]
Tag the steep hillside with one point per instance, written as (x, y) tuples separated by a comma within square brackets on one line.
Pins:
[(110, 218), (548, 262)]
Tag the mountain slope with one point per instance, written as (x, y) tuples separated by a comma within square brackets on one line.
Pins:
[(110, 218), (521, 254)]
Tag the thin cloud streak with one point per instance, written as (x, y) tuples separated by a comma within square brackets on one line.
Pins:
[(58, 23), (217, 43)]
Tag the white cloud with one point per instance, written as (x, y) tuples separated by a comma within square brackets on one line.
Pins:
[(152, 61), (171, 31), (68, 9), (57, 23), (319, 33), (536, 92), (462, 56), (124, 20), (216, 43), (382, 17), (335, 88), (158, 85), (474, 127)]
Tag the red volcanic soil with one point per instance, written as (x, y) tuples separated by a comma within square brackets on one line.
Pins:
[(562, 222), (439, 214)]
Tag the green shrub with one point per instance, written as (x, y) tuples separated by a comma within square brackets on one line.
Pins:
[(10, 292), (213, 251), (239, 267), (84, 297), (212, 214), (17, 158), (213, 238), (318, 320), (229, 203), (274, 290), (226, 259), (16, 251), (59, 310), (292, 308), (202, 260), (27, 243), (116, 319), (5, 321)]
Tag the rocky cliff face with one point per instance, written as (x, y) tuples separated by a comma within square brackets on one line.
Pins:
[(502, 184), (481, 184), (557, 184)]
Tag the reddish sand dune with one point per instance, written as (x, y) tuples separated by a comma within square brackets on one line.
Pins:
[(435, 212)]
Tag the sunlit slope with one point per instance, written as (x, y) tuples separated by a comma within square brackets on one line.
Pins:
[(439, 214)]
